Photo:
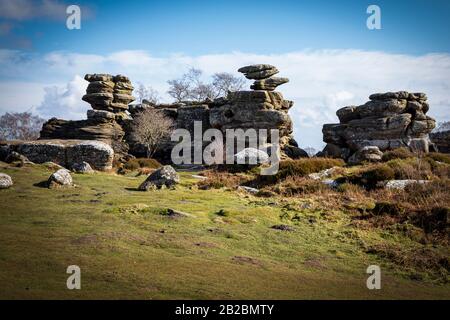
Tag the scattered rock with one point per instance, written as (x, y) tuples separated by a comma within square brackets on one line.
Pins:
[(401, 184), (60, 178), (283, 227), (246, 260), (52, 166), (251, 156), (177, 214), (5, 181), (82, 167), (330, 183), (369, 153), (16, 157), (248, 189), (196, 176), (324, 173), (165, 176)]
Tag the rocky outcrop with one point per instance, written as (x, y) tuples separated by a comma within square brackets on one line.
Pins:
[(64, 152), (442, 140), (163, 177), (109, 97), (5, 181), (388, 121), (261, 108)]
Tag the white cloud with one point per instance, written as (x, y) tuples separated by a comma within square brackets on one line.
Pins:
[(65, 102), (320, 81)]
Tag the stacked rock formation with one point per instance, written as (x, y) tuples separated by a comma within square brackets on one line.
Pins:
[(388, 121), (108, 93), (260, 108), (109, 97)]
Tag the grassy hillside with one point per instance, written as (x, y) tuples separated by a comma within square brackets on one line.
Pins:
[(127, 246)]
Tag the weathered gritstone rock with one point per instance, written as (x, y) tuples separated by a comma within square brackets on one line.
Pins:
[(441, 140), (258, 71), (66, 152), (60, 178), (251, 156), (107, 92), (369, 154), (5, 181), (388, 121), (82, 167), (268, 84), (163, 177), (109, 97)]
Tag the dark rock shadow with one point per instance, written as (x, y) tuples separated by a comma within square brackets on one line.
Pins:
[(42, 184)]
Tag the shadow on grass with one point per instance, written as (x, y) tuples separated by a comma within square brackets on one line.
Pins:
[(42, 184)]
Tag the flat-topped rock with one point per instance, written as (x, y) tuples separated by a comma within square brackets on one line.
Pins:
[(258, 71)]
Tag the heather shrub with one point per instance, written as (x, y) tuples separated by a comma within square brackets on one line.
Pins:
[(400, 153), (135, 164)]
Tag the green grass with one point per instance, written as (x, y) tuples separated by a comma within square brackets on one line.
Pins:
[(127, 248)]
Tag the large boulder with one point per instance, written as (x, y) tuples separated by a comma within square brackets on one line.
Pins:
[(82, 167), (369, 154), (60, 178), (163, 177), (5, 181), (65, 152)]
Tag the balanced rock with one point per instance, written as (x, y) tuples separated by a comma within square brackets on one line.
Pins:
[(82, 167), (165, 176), (388, 121), (60, 178), (269, 84), (258, 71), (5, 181)]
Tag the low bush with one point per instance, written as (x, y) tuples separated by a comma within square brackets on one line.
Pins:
[(218, 180), (411, 168), (299, 168), (441, 157), (135, 164), (400, 153)]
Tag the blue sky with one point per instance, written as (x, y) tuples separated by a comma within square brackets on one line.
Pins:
[(324, 47), (202, 27)]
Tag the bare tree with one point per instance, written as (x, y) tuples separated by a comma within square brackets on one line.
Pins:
[(147, 93), (150, 127), (179, 89), (191, 87), (224, 82), (20, 126)]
